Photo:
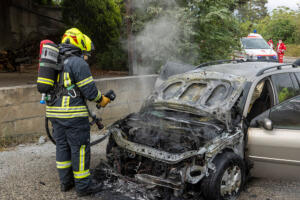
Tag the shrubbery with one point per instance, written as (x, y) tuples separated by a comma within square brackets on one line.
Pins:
[(282, 23), (191, 31), (101, 20)]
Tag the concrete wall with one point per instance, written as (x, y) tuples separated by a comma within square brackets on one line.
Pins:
[(22, 114), (22, 21)]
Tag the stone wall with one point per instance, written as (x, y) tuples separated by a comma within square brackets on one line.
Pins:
[(22, 114), (22, 21)]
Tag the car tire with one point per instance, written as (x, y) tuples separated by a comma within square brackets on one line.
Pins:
[(110, 144), (228, 179)]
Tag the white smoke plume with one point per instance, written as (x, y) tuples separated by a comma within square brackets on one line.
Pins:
[(160, 39)]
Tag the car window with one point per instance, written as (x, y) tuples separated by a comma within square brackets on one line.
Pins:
[(286, 115), (298, 77), (284, 86), (257, 92), (262, 99), (255, 43)]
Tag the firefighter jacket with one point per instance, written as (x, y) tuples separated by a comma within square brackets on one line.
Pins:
[(280, 48), (75, 77)]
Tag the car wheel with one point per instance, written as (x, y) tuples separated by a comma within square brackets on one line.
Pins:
[(111, 143), (228, 179)]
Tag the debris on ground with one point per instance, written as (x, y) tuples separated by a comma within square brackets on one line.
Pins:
[(17, 183), (42, 140), (120, 187)]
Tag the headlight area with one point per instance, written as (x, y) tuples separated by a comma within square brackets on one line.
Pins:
[(268, 58), (156, 167)]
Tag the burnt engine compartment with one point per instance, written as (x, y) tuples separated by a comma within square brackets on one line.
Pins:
[(169, 131)]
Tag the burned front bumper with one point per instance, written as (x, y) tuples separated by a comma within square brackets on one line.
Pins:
[(183, 167)]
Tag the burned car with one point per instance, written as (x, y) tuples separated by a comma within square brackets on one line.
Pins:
[(207, 128)]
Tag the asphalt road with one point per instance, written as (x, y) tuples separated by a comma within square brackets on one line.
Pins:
[(29, 172)]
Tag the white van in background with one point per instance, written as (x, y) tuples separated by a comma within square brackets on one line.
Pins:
[(255, 48)]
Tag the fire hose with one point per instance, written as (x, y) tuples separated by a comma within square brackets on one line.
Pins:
[(95, 120)]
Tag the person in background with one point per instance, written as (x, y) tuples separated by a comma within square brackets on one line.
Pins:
[(280, 49), (270, 43)]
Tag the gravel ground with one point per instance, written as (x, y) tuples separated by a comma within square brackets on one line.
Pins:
[(29, 172)]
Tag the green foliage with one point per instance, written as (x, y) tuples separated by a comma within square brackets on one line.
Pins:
[(282, 23), (114, 58), (47, 2), (193, 32), (292, 50), (217, 31), (99, 19), (246, 28), (252, 10)]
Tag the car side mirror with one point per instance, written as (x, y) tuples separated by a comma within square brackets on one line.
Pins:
[(266, 123)]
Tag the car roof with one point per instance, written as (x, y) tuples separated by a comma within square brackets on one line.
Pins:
[(248, 70), (254, 35)]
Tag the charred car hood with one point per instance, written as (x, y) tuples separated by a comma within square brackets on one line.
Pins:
[(204, 93)]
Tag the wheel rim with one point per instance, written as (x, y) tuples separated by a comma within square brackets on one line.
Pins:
[(231, 181)]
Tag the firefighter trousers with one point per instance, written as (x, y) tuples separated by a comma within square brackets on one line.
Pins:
[(73, 151)]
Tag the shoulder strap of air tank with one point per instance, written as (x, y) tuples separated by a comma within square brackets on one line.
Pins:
[(61, 72), (63, 58)]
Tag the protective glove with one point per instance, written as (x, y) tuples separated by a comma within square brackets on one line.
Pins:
[(107, 98), (104, 102)]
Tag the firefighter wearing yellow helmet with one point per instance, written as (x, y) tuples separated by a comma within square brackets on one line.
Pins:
[(69, 114), (75, 37), (89, 46)]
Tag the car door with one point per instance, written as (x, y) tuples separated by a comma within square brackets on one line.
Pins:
[(276, 153)]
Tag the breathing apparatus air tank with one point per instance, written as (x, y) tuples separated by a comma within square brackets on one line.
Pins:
[(49, 68)]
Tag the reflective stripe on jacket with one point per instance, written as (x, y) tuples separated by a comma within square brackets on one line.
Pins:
[(76, 73)]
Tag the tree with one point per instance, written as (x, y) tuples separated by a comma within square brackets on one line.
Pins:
[(252, 10), (195, 32), (217, 31), (282, 24), (101, 20)]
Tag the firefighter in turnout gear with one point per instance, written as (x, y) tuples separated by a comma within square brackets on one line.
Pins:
[(69, 114)]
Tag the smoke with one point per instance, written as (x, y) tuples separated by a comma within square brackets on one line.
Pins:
[(144, 4), (157, 42), (160, 39)]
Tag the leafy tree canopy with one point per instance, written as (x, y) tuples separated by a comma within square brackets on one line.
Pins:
[(252, 10), (283, 23), (194, 31), (101, 20)]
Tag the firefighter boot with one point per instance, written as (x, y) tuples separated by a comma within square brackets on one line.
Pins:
[(67, 187), (92, 189)]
